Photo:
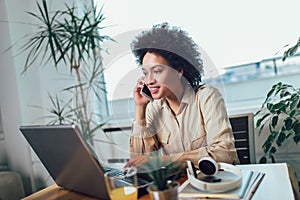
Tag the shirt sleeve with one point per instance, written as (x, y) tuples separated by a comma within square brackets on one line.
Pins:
[(142, 139), (219, 137)]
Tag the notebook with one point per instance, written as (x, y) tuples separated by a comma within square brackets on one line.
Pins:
[(68, 159), (250, 182)]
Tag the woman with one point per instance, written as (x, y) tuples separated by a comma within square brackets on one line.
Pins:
[(187, 120)]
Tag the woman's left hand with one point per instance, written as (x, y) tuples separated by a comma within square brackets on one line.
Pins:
[(141, 159), (136, 161)]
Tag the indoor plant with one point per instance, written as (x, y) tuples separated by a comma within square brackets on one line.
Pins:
[(280, 115), (71, 37), (164, 175)]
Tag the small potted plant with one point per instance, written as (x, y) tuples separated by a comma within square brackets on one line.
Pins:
[(164, 175)]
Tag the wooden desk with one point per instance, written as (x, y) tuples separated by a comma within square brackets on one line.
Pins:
[(55, 192), (275, 185)]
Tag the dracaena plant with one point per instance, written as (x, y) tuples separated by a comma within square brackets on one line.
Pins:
[(280, 116), (65, 37)]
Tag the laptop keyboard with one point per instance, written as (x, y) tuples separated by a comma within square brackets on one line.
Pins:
[(143, 180)]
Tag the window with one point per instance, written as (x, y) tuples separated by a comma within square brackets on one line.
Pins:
[(230, 32)]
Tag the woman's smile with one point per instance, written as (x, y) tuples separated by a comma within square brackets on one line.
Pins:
[(153, 89)]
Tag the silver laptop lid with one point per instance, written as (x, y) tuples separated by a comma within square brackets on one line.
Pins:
[(67, 158)]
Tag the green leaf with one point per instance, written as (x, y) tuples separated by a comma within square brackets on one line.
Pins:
[(279, 106), (288, 122), (297, 128), (259, 121), (257, 112), (280, 138), (290, 52), (160, 172), (293, 50), (285, 56), (283, 128), (278, 88), (284, 93), (273, 150), (273, 159), (293, 112), (294, 103), (296, 139), (270, 107), (263, 160), (266, 146), (288, 135), (271, 91), (274, 121)]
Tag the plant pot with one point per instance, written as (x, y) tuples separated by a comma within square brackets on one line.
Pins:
[(169, 194)]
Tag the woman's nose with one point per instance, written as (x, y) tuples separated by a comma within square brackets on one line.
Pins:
[(149, 79)]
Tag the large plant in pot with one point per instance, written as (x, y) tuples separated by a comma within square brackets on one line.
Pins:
[(164, 175), (70, 37), (280, 114)]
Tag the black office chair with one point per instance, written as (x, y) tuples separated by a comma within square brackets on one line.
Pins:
[(243, 132)]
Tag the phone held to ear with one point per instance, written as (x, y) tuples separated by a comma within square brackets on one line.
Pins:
[(145, 92)]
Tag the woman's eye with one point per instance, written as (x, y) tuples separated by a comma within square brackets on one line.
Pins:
[(157, 71)]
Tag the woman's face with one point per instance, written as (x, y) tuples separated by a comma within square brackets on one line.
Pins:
[(162, 80)]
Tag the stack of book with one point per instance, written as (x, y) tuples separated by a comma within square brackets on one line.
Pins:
[(250, 182)]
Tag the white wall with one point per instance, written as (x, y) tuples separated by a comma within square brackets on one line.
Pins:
[(16, 148), (20, 93)]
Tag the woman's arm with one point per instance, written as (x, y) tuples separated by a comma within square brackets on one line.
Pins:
[(141, 139), (142, 142)]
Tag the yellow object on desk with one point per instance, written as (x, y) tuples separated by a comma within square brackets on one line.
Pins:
[(122, 184), (126, 193)]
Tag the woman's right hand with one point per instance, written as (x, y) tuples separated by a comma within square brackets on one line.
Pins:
[(139, 100)]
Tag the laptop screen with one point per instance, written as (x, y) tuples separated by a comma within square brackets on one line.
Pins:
[(67, 158)]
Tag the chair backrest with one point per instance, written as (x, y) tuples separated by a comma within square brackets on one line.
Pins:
[(11, 186), (243, 132)]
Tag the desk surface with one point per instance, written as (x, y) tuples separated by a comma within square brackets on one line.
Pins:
[(275, 185)]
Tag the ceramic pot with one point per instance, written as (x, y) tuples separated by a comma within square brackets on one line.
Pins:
[(170, 194)]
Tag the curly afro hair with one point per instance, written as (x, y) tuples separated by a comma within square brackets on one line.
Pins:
[(174, 45)]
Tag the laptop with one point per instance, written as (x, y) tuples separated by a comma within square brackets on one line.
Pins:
[(68, 158)]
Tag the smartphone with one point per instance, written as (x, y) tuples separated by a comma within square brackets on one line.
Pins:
[(145, 92)]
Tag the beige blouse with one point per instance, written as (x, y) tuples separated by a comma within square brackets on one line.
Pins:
[(201, 128)]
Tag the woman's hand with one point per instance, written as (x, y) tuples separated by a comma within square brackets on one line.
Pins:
[(136, 161), (139, 100), (139, 160)]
